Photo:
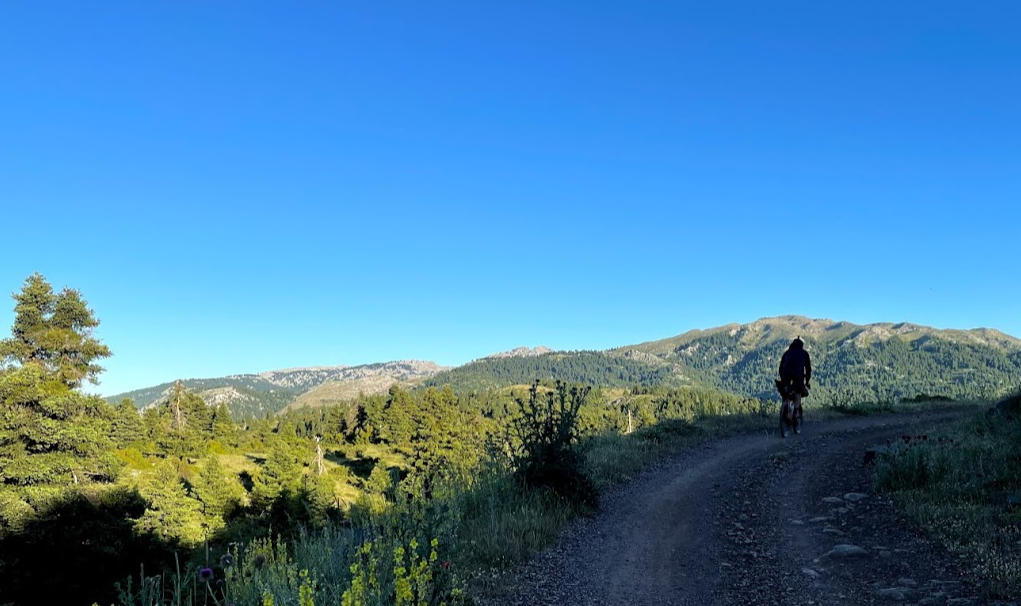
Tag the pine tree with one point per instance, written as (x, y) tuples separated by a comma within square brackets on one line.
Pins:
[(187, 425), (319, 492), (54, 331), (128, 429), (171, 514), (368, 419), (222, 426), (218, 493), (52, 436), (336, 424), (178, 410), (397, 423), (156, 427), (280, 473)]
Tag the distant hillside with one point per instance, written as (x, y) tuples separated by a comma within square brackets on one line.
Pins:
[(874, 361), (270, 392), (245, 395), (522, 352), (368, 379), (859, 361), (591, 367)]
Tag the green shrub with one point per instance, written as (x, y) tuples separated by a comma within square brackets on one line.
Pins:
[(545, 435), (386, 563)]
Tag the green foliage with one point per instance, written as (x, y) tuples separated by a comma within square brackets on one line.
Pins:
[(584, 367), (501, 524), (544, 437), (54, 440), (396, 425), (958, 483), (690, 403), (171, 515), (281, 473), (51, 435), (127, 427), (185, 425), (54, 332), (386, 563), (222, 426), (134, 460), (218, 493)]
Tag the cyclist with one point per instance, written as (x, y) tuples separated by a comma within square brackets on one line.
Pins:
[(795, 373)]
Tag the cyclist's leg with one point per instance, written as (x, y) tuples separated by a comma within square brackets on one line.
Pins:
[(797, 402)]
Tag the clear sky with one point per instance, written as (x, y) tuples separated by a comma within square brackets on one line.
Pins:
[(242, 186)]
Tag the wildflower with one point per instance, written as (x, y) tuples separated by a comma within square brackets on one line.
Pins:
[(206, 574), (259, 560), (226, 560), (446, 564), (220, 584)]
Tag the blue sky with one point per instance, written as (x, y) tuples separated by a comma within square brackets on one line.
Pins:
[(237, 187)]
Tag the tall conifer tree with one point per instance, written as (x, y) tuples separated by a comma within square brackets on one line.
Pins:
[(52, 436)]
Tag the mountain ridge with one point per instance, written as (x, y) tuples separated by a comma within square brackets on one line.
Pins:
[(268, 392), (733, 357), (523, 351)]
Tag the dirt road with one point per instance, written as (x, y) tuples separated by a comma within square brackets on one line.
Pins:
[(751, 520)]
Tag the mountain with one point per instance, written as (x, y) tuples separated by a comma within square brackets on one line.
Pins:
[(851, 362), (882, 360), (270, 392), (522, 352), (367, 379), (608, 369), (245, 395)]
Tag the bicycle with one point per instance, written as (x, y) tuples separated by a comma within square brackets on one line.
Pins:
[(792, 415)]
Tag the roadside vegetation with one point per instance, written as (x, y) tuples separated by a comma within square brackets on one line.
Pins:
[(962, 483)]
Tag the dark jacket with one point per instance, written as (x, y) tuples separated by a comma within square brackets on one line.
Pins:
[(796, 364)]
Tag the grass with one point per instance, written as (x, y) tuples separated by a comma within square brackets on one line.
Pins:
[(959, 484), (238, 463), (503, 525)]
